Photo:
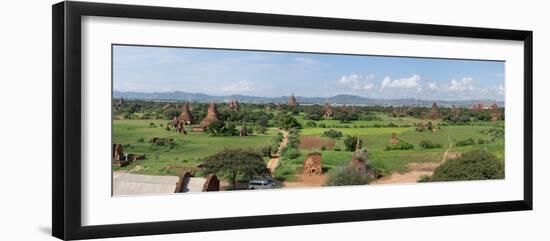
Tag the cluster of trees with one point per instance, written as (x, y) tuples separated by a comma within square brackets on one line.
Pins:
[(473, 165), (232, 164), (286, 121)]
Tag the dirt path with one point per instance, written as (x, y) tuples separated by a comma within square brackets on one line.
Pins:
[(272, 164), (450, 146), (416, 170)]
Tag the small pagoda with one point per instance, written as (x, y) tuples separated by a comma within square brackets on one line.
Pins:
[(435, 113), (393, 139), (292, 101), (234, 105), (328, 113)]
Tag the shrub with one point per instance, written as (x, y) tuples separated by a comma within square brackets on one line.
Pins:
[(290, 152), (334, 134), (322, 125), (311, 124), (345, 176), (423, 178), (426, 144), (141, 140), (402, 145), (472, 165), (465, 142), (266, 151), (260, 129), (323, 148), (337, 148)]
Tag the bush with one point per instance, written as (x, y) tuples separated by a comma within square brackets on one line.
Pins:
[(322, 125), (334, 134), (429, 145), (323, 148), (472, 165), (260, 130), (311, 124), (402, 145), (345, 176), (266, 151), (465, 142), (337, 148), (290, 152)]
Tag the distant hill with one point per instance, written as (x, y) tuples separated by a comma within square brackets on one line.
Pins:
[(335, 100)]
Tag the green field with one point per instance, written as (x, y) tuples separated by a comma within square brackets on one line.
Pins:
[(376, 138), (186, 150)]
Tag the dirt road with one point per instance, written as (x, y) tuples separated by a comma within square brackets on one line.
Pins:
[(272, 164)]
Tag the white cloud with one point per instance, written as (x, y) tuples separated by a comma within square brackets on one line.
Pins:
[(432, 86), (404, 83), (466, 83), (240, 86), (356, 82), (500, 90)]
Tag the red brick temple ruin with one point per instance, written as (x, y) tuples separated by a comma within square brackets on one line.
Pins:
[(186, 117), (234, 105), (210, 117), (312, 164), (435, 113), (328, 113)]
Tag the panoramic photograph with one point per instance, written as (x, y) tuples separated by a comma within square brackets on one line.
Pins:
[(188, 120)]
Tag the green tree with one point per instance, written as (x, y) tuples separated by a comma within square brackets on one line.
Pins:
[(229, 164), (472, 165), (345, 176), (350, 142), (287, 122)]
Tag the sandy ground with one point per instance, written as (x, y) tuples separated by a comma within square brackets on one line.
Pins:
[(305, 180), (415, 171), (272, 164)]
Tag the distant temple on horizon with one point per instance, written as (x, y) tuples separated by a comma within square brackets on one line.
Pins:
[(292, 101)]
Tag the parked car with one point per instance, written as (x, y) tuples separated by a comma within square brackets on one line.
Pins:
[(261, 183)]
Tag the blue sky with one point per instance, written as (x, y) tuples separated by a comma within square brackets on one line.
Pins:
[(272, 74)]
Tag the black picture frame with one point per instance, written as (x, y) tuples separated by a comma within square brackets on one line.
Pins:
[(66, 75)]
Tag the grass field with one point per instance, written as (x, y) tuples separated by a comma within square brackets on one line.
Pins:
[(186, 150), (376, 139)]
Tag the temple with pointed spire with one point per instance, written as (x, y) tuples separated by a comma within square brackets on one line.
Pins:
[(292, 101), (186, 117), (211, 116), (434, 113)]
